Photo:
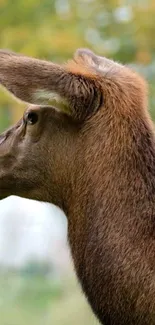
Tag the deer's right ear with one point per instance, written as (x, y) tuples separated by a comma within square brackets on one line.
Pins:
[(70, 87)]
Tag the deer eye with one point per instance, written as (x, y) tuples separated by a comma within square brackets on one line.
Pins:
[(32, 118)]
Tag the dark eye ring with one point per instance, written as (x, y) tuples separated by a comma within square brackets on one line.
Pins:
[(32, 118)]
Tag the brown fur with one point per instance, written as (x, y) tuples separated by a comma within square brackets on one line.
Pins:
[(97, 162)]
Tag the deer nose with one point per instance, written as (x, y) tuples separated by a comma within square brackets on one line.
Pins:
[(31, 117)]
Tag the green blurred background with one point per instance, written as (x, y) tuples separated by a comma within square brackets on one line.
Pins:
[(53, 30)]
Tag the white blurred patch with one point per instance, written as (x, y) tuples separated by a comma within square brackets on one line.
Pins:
[(31, 229)]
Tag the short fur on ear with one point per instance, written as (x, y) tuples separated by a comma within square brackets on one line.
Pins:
[(97, 62), (74, 90)]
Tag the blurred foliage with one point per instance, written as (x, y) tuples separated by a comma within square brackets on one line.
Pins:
[(41, 300), (53, 29), (35, 268)]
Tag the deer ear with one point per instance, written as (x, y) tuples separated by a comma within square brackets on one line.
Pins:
[(98, 63), (71, 87), (87, 57)]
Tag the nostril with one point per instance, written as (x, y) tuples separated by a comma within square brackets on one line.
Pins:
[(32, 118)]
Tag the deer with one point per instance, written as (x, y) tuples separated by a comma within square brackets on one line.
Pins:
[(86, 143)]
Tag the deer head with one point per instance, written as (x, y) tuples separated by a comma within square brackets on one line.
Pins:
[(37, 155), (40, 148), (86, 144)]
